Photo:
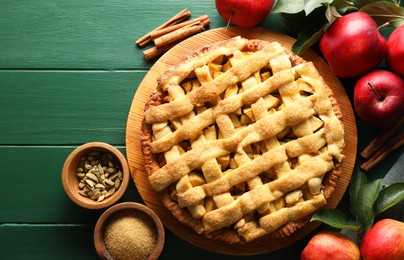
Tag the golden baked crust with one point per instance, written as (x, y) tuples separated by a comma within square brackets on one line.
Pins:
[(243, 139)]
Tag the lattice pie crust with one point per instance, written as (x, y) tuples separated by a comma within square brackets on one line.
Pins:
[(243, 139)]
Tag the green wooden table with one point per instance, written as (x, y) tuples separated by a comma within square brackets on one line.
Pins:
[(68, 72)]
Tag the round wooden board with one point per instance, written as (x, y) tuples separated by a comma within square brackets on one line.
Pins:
[(134, 153)]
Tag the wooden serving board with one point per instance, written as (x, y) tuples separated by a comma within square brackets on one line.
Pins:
[(134, 153)]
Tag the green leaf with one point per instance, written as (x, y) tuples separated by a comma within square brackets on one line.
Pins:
[(334, 218), (310, 28), (358, 179), (344, 6), (297, 6), (311, 5), (385, 12), (389, 197), (365, 200), (306, 39), (288, 7), (331, 14), (362, 3)]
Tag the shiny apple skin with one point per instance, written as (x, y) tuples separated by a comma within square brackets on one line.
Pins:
[(246, 13), (353, 45), (395, 51), (327, 245), (382, 105), (384, 241)]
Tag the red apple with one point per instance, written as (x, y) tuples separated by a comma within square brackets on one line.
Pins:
[(395, 51), (244, 13), (353, 45), (330, 245), (379, 98), (385, 240)]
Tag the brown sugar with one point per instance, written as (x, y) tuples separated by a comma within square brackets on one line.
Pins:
[(130, 235)]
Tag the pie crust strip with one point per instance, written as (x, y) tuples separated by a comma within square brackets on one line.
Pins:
[(271, 222)]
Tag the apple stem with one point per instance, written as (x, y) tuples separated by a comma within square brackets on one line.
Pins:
[(383, 25), (374, 91), (228, 22)]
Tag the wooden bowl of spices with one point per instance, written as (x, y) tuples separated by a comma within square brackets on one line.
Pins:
[(95, 175), (129, 230)]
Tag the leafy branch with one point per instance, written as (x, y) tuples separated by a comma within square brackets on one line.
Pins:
[(367, 200), (309, 19)]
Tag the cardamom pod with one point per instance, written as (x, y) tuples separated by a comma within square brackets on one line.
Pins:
[(99, 175)]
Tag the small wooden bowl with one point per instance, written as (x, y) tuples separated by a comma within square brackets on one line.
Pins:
[(99, 241), (71, 181)]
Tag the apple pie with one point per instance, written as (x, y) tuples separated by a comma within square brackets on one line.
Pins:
[(243, 139)]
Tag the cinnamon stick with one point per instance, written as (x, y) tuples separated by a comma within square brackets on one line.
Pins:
[(177, 35), (380, 139), (181, 16), (154, 51), (203, 20), (394, 143)]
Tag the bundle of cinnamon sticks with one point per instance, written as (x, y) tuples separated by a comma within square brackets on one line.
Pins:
[(387, 141), (171, 32)]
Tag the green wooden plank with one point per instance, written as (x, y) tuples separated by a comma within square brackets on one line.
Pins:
[(65, 107), (89, 34), (83, 34), (47, 242), (32, 190)]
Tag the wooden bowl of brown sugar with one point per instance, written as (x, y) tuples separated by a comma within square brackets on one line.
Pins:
[(129, 230), (95, 175)]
